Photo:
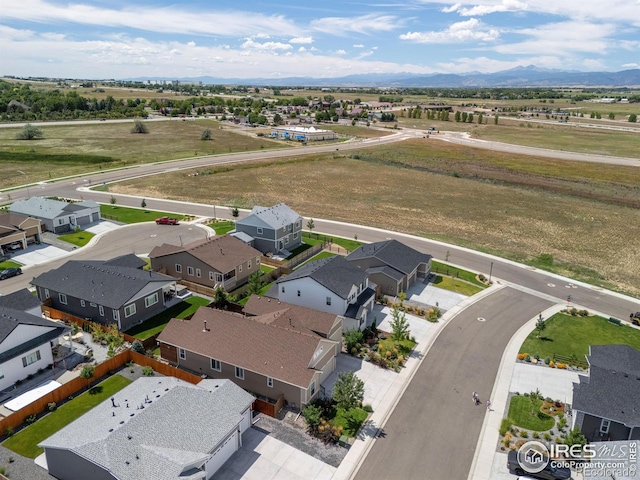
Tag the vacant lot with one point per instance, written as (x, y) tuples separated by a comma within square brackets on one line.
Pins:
[(518, 208)]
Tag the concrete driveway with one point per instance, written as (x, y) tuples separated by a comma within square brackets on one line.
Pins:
[(430, 295), (264, 458), (552, 382), (38, 254), (101, 227)]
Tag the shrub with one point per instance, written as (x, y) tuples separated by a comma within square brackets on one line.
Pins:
[(506, 441), (524, 434), (139, 127), (551, 364), (561, 365), (9, 431), (147, 371), (29, 132), (367, 408), (206, 134), (527, 358), (52, 406), (547, 437), (312, 415), (137, 347), (522, 356), (30, 419), (536, 435), (505, 426)]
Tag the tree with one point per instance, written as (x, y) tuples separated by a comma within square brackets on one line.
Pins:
[(255, 283), (495, 119), (575, 437), (29, 132), (206, 134), (277, 119), (220, 298), (540, 325), (113, 200), (612, 116), (457, 116), (143, 203), (87, 372), (235, 212), (348, 391), (352, 338), (310, 225), (137, 347), (399, 325), (312, 415), (534, 397), (139, 127), (480, 119), (633, 118)]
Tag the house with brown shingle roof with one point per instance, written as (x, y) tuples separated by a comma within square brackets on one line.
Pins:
[(222, 261), (260, 354)]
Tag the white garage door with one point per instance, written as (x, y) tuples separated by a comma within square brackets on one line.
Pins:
[(245, 423), (222, 454)]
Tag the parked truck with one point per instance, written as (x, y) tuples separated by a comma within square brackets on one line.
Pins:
[(166, 221)]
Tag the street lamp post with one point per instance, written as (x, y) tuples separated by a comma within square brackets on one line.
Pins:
[(26, 178), (490, 272)]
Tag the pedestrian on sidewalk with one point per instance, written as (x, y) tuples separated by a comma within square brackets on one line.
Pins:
[(474, 397), (489, 405)]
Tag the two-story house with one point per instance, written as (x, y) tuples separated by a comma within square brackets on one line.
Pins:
[(331, 285), (106, 292), (221, 261), (273, 229)]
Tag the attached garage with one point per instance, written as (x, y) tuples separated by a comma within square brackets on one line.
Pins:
[(222, 454)]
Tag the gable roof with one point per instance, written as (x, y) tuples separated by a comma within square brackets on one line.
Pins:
[(39, 207), (392, 253), (274, 217), (20, 300), (11, 319), (251, 343), (129, 260), (287, 315), (334, 273), (12, 220), (612, 388), (224, 253), (149, 434), (97, 281)]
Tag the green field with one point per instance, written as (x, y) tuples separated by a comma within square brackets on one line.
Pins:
[(26, 441), (571, 336)]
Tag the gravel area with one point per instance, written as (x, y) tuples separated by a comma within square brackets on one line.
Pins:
[(298, 438), (21, 468)]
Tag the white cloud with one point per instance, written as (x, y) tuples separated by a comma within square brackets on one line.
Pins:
[(631, 65), (365, 24), (262, 35), (267, 46), (502, 6), (358, 45), (302, 49), (453, 8), (191, 44), (301, 40), (341, 52), (460, 32)]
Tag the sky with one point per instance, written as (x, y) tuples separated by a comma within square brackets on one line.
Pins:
[(103, 39)]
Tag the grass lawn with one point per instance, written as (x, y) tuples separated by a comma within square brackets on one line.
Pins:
[(156, 324), (319, 256), (404, 347), (133, 215), (345, 243), (456, 285), (448, 270), (569, 335), (223, 227), (77, 238), (263, 290), (9, 264), (299, 250), (25, 442), (266, 268), (520, 414), (311, 240), (349, 420)]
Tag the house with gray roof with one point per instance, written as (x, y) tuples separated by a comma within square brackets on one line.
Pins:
[(17, 228), (155, 428), (606, 402), (106, 292), (25, 341), (57, 216), (273, 229), (272, 355), (222, 261), (391, 265), (330, 285)]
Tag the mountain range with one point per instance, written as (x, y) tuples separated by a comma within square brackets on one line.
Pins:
[(530, 76)]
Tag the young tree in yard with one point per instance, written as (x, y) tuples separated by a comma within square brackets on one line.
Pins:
[(143, 203), (540, 325), (137, 347), (310, 225), (533, 398), (312, 415), (348, 391), (220, 298), (255, 283), (399, 325), (87, 372), (113, 200), (575, 437), (235, 212)]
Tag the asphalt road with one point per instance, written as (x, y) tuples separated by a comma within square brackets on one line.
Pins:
[(433, 431)]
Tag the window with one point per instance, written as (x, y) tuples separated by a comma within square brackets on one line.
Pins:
[(295, 235), (249, 264), (182, 353), (328, 300), (46, 293), (240, 373), (215, 365), (269, 382), (218, 277), (116, 315), (212, 276), (297, 224), (259, 230), (63, 298), (33, 357), (129, 309), (313, 388), (178, 268), (604, 426), (298, 292), (198, 273), (190, 271), (150, 300), (239, 268), (283, 289), (289, 227), (82, 303), (286, 239), (257, 260)]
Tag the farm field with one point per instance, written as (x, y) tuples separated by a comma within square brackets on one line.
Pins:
[(581, 214)]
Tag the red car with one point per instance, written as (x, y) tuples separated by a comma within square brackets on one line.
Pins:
[(166, 221)]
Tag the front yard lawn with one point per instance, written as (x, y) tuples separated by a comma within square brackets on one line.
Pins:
[(9, 264), (571, 336), (25, 442), (80, 238), (448, 270), (404, 347), (133, 215), (350, 420), (520, 414), (155, 324), (223, 226), (456, 285)]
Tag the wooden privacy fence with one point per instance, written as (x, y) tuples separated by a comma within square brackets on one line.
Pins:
[(268, 408), (294, 261)]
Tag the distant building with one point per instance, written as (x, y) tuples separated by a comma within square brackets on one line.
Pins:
[(302, 134), (57, 216)]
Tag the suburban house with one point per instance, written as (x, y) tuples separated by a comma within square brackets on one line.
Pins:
[(22, 300), (216, 262), (605, 402), (255, 352), (57, 216), (391, 265), (106, 292), (273, 229), (331, 285), (155, 428), (17, 228), (25, 344)]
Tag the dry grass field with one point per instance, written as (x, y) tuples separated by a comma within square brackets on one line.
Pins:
[(515, 208)]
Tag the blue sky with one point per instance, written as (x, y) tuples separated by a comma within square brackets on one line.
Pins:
[(331, 38)]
